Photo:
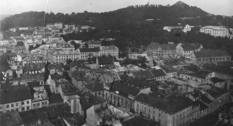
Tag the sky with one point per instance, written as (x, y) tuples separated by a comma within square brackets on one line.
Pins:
[(10, 7)]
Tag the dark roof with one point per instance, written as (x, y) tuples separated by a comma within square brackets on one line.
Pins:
[(10, 119), (17, 93), (143, 74), (95, 85), (20, 43), (171, 104), (105, 60), (158, 72), (97, 49), (124, 88), (34, 84), (140, 121), (55, 98), (190, 46), (216, 92), (75, 120), (210, 53), (88, 100), (168, 69), (54, 66), (216, 80), (168, 46), (56, 76), (203, 97), (153, 45)]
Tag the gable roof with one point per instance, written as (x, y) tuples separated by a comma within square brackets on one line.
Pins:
[(168, 69), (97, 49), (142, 74), (10, 119), (190, 46)]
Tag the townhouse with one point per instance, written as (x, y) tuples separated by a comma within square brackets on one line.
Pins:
[(15, 98)]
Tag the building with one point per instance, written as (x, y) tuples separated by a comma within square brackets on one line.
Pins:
[(210, 55), (159, 74), (216, 31), (136, 55), (109, 51), (89, 52), (20, 48), (168, 111), (39, 95), (169, 70), (155, 49), (94, 44), (187, 49), (62, 53), (58, 25), (15, 98)]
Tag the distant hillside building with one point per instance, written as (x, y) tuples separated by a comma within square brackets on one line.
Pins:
[(216, 31)]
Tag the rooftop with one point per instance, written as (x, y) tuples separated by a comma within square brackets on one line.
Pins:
[(10, 119), (124, 88), (88, 100), (168, 69), (158, 72), (143, 74), (210, 53), (190, 46), (97, 49), (10, 94), (140, 121), (171, 104), (216, 92)]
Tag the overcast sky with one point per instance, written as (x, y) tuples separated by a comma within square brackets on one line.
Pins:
[(220, 7)]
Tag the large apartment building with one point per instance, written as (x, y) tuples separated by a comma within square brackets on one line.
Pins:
[(216, 31)]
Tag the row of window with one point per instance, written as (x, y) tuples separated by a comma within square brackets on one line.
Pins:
[(214, 59), (16, 104)]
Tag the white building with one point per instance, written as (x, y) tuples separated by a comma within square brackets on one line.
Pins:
[(216, 31), (109, 50)]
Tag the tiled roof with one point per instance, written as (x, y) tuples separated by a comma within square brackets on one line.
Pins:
[(158, 73), (17, 93), (56, 76), (190, 46), (124, 88), (171, 104), (90, 49), (55, 98), (33, 66), (168, 46), (210, 53)]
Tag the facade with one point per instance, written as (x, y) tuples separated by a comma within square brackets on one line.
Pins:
[(89, 52), (169, 111), (135, 55), (62, 53), (187, 49), (58, 25), (209, 55), (109, 50), (15, 98), (155, 49), (216, 31)]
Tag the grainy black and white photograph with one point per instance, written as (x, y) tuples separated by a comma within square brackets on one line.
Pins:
[(116, 63)]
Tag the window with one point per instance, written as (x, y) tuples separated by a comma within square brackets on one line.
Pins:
[(27, 102), (22, 108), (7, 106), (28, 108), (12, 105)]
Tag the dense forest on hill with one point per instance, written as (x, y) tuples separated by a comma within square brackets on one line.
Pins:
[(130, 26)]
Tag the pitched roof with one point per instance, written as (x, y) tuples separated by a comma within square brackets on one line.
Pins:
[(124, 88), (158, 72), (210, 53), (216, 80), (95, 85), (153, 45), (171, 104), (88, 100), (168, 69), (168, 46), (17, 93), (216, 92), (190, 46), (143, 74), (97, 49), (105, 60)]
